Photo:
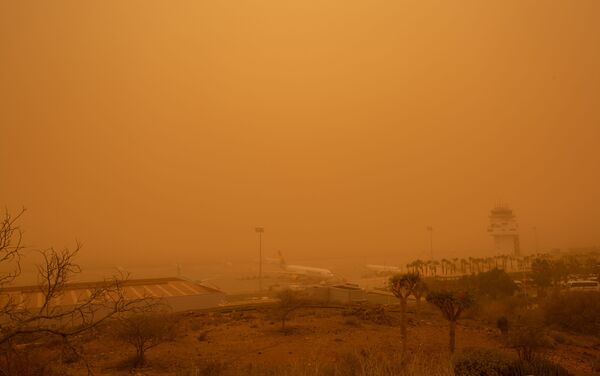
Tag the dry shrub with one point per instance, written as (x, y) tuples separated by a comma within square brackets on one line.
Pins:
[(538, 367), (289, 302), (503, 325), (352, 321), (202, 336), (486, 362), (480, 362), (144, 331), (559, 338), (578, 311), (212, 368), (31, 360), (366, 362), (529, 338), (490, 310), (428, 364), (209, 367), (376, 314), (596, 365), (494, 284), (196, 325)]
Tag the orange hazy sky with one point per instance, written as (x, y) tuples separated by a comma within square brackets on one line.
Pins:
[(154, 130)]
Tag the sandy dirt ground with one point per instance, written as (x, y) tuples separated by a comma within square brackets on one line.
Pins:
[(239, 340)]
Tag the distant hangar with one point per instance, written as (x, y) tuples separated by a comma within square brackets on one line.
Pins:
[(179, 294)]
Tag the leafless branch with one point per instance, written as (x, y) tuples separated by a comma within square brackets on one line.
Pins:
[(21, 320), (11, 238)]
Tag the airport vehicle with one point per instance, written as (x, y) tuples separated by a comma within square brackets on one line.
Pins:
[(581, 285)]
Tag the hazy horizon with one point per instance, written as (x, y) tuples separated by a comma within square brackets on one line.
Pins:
[(158, 131)]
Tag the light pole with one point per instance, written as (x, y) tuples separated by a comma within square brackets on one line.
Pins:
[(260, 231), (430, 230)]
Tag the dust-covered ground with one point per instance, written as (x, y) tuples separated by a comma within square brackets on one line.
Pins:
[(251, 342)]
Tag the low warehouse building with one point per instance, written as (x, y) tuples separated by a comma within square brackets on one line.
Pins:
[(347, 293), (178, 294)]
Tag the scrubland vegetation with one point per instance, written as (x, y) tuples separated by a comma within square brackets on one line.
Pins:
[(324, 339), (479, 324)]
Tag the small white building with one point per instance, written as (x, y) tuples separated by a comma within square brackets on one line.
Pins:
[(345, 293)]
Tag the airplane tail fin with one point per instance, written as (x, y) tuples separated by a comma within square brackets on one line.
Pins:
[(281, 259)]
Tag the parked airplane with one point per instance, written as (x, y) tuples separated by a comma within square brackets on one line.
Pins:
[(383, 269), (304, 270)]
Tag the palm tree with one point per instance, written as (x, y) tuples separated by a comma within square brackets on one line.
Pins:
[(471, 264), (418, 266), (463, 266), (403, 286), (481, 262), (442, 263), (451, 304)]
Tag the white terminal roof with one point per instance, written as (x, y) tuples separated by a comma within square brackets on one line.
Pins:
[(31, 296)]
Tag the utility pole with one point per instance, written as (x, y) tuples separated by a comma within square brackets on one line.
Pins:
[(260, 231)]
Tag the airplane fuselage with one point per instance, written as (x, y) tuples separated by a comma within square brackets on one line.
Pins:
[(310, 271), (384, 268)]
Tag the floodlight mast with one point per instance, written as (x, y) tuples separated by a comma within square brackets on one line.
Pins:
[(260, 231), (430, 230)]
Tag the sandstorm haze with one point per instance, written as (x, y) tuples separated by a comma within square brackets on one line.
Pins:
[(168, 130)]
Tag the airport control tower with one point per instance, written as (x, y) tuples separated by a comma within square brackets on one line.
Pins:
[(505, 231)]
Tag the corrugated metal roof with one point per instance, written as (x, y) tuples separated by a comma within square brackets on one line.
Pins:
[(31, 297)]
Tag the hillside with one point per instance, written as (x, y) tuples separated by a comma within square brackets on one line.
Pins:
[(317, 341)]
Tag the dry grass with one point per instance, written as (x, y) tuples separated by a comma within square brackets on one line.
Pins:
[(366, 362), (328, 342)]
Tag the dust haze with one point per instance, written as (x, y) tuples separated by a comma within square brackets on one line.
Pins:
[(163, 132)]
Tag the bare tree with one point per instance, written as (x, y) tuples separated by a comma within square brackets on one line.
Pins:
[(403, 286), (452, 305), (145, 330), (289, 301), (23, 321), (10, 251)]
